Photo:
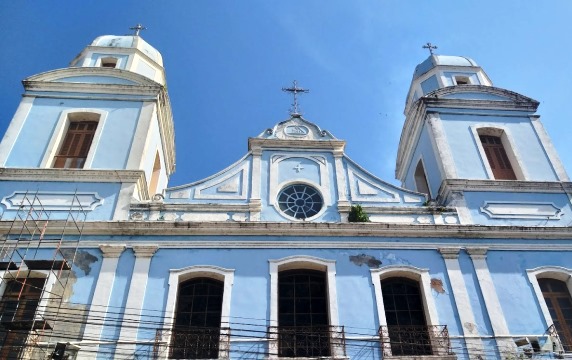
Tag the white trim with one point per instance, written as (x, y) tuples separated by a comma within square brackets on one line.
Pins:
[(14, 129), (521, 210), (302, 262), (341, 184), (177, 276), (53, 200), (509, 146), (60, 131), (410, 272), (255, 179), (548, 146), (551, 272)]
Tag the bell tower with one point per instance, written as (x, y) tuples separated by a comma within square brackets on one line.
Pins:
[(470, 144), (106, 119)]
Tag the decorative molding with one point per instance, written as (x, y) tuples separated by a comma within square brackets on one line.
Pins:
[(332, 145), (463, 185), (234, 185), (112, 251), (53, 200), (145, 251), (450, 252), (477, 253), (72, 175), (362, 230), (521, 210)]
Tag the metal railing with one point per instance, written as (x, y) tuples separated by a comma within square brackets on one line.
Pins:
[(307, 341), (194, 343), (562, 343), (414, 340)]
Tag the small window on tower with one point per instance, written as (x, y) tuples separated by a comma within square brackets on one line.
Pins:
[(76, 144), (109, 62), (421, 180), (462, 80)]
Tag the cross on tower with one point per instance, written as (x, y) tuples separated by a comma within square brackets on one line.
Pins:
[(430, 47), (295, 90), (137, 28)]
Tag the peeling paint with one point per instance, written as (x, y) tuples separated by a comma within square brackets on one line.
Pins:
[(82, 259), (437, 285), (368, 260), (470, 327)]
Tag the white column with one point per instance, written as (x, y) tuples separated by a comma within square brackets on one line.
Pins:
[(101, 296), (468, 323), (135, 297), (492, 303)]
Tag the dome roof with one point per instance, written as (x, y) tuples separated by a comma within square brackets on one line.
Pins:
[(129, 41), (447, 60)]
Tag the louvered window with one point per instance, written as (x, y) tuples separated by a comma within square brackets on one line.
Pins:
[(497, 157), (559, 303), (76, 145)]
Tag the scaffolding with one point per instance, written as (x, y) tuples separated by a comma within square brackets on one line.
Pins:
[(36, 257)]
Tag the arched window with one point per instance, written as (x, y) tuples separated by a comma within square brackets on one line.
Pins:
[(197, 319), (557, 297), (304, 308), (303, 324), (405, 317), (421, 180)]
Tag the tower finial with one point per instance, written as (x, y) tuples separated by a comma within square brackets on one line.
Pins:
[(137, 28), (294, 90), (430, 47)]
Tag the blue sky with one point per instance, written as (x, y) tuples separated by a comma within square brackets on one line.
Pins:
[(226, 62)]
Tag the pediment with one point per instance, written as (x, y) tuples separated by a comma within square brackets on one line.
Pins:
[(481, 92), (296, 128)]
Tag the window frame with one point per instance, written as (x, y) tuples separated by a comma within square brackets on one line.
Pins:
[(61, 129), (412, 273), (548, 272), (177, 276), (302, 262), (508, 144)]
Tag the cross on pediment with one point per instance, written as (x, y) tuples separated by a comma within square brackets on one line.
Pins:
[(294, 90), (137, 28), (298, 168), (430, 47)]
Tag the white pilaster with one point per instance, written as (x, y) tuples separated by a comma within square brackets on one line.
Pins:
[(14, 128), (492, 303), (439, 139), (101, 296), (135, 297), (549, 149), (255, 202), (468, 323)]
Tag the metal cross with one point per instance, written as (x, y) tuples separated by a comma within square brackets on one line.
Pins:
[(138, 29), (295, 90), (298, 168), (430, 47)]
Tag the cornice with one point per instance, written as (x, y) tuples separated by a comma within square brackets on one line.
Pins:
[(184, 207), (71, 175), (258, 143), (53, 75), (374, 230), (459, 185), (68, 87)]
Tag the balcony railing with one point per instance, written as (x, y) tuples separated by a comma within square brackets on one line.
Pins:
[(414, 340), (561, 340), (307, 341), (193, 343)]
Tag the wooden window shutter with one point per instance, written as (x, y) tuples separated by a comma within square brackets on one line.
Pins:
[(497, 157), (76, 145)]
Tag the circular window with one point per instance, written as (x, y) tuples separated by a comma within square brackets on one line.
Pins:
[(300, 201)]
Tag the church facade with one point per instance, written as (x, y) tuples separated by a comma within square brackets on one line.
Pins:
[(471, 258)]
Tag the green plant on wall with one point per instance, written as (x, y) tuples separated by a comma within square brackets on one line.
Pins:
[(357, 214)]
